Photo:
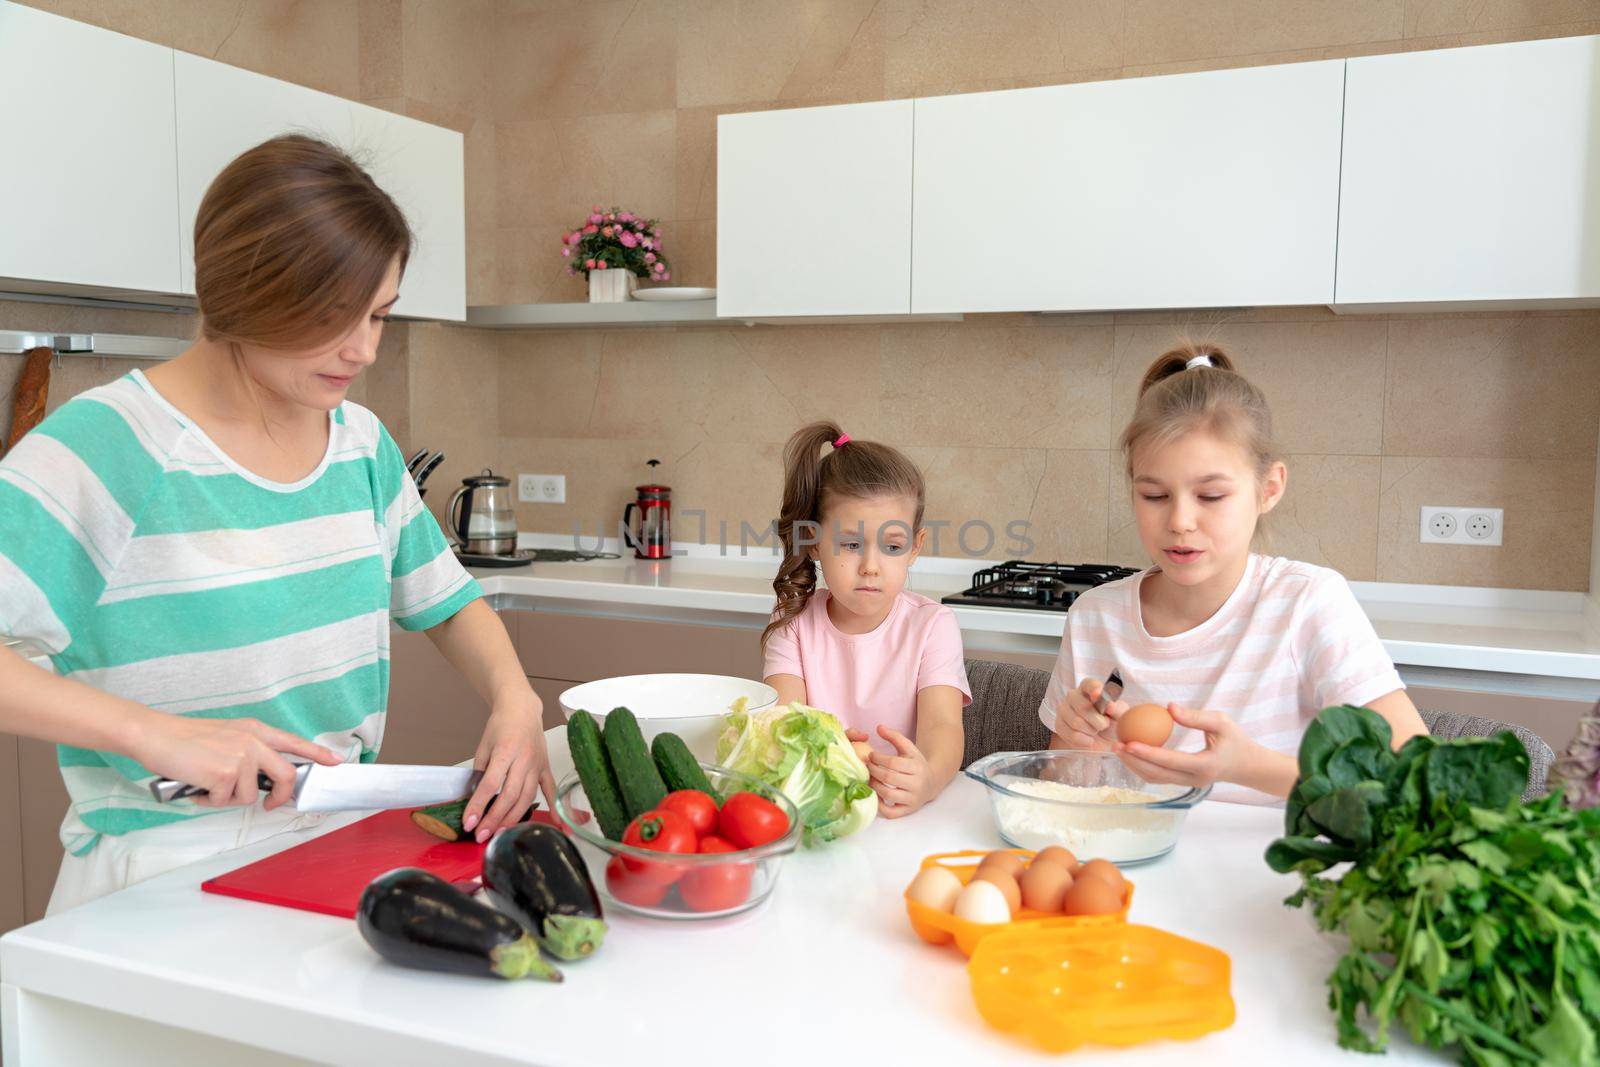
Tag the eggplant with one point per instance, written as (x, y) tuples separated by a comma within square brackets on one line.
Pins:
[(535, 873), (418, 919)]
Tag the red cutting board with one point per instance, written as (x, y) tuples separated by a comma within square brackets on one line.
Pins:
[(328, 873)]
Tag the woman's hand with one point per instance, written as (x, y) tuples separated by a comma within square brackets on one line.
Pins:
[(1080, 724), (223, 756), (858, 741), (1229, 756), (515, 766)]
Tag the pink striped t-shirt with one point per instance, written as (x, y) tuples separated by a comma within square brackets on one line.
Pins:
[(1289, 641)]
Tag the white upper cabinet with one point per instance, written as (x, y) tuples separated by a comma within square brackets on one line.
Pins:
[(814, 211), (87, 190), (1472, 174), (1214, 189), (223, 110)]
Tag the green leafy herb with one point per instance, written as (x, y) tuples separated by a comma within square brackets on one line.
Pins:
[(1473, 918)]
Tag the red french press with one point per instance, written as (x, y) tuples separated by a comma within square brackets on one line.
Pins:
[(653, 538)]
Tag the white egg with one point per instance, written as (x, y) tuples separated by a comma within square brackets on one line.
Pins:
[(936, 887), (982, 902)]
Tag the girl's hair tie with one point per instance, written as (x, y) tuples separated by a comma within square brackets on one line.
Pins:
[(842, 440), (1201, 360)]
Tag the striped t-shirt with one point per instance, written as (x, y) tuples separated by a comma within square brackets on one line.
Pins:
[(1289, 641), (142, 560)]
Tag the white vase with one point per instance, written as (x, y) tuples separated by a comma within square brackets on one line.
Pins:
[(611, 286)]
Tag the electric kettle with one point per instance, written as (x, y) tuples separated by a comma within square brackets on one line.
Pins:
[(481, 517)]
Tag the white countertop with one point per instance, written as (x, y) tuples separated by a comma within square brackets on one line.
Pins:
[(828, 962), (1452, 628)]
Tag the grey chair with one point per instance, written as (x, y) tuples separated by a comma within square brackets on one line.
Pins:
[(1004, 717)]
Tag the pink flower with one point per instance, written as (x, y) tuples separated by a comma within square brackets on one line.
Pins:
[(605, 231), (626, 216), (659, 267), (645, 242), (611, 218), (597, 208), (591, 229), (596, 218), (566, 251), (574, 237), (600, 265), (588, 264), (628, 240), (667, 277), (649, 257), (571, 271)]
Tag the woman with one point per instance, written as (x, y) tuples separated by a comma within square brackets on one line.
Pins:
[(211, 554)]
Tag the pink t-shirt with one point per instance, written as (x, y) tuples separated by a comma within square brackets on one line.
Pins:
[(872, 678), (1289, 641)]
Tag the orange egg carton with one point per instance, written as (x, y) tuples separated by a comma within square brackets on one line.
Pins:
[(940, 927), (1118, 984)]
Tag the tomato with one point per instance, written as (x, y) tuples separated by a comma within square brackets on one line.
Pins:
[(660, 831), (749, 820), (631, 888), (699, 809), (720, 887)]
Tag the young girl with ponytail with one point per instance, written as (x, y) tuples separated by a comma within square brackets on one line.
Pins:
[(865, 648), (1266, 642)]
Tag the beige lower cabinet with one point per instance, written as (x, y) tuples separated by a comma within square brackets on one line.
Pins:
[(42, 806), (11, 891)]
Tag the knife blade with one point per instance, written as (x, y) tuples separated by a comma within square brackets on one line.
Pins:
[(356, 786), (1109, 692)]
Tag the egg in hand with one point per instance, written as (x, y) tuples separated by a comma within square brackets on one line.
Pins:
[(1149, 724)]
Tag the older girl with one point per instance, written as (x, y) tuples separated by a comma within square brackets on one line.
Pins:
[(1265, 642), (873, 653), (210, 554)]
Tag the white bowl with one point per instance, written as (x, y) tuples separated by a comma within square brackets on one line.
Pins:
[(692, 706)]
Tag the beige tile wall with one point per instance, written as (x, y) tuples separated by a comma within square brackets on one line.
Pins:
[(565, 103)]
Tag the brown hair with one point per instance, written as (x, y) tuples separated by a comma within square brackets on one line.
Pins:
[(1175, 399), (861, 470), (291, 242)]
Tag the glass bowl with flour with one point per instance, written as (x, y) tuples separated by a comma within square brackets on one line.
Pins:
[(1088, 802)]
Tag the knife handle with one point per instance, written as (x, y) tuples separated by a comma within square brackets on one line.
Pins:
[(165, 789)]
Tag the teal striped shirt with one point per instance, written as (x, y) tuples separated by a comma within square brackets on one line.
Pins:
[(140, 559)]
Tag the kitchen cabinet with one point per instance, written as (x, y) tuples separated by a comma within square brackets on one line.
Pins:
[(86, 194), (1213, 189), (41, 806), (11, 886), (222, 110), (1472, 175), (814, 211), (434, 715), (586, 647)]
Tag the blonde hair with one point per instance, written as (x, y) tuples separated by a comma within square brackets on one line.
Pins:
[(860, 470), (1195, 386)]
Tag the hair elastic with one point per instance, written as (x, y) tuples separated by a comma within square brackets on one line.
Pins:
[(842, 440), (1201, 360)]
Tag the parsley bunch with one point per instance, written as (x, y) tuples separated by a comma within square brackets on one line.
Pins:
[(1472, 917)]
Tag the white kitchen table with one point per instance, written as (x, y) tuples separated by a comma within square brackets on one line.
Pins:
[(826, 970)]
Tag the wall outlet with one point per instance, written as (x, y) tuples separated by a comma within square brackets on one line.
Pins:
[(542, 488), (1462, 526)]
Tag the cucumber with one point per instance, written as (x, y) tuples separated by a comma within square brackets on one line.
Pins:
[(444, 820), (678, 767), (594, 771), (637, 777)]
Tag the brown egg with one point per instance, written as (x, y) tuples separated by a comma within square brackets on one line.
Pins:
[(1091, 896), (1003, 882), (1009, 862), (1107, 872), (1146, 723), (1059, 856), (1044, 885)]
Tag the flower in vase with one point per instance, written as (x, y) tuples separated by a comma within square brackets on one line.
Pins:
[(600, 264), (628, 240), (649, 257), (565, 251), (666, 276), (597, 218), (588, 264), (574, 237), (605, 231), (591, 229)]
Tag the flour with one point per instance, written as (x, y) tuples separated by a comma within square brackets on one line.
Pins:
[(1096, 826)]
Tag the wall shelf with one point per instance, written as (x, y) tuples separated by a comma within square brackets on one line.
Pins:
[(642, 313)]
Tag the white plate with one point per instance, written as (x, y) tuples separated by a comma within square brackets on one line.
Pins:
[(681, 292), (689, 705)]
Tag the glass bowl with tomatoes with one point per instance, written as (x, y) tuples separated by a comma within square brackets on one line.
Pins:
[(694, 855)]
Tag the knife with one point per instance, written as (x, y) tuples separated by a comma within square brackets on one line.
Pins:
[(1112, 690), (356, 786), (426, 469)]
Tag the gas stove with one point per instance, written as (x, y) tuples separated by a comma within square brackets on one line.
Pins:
[(1035, 586)]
